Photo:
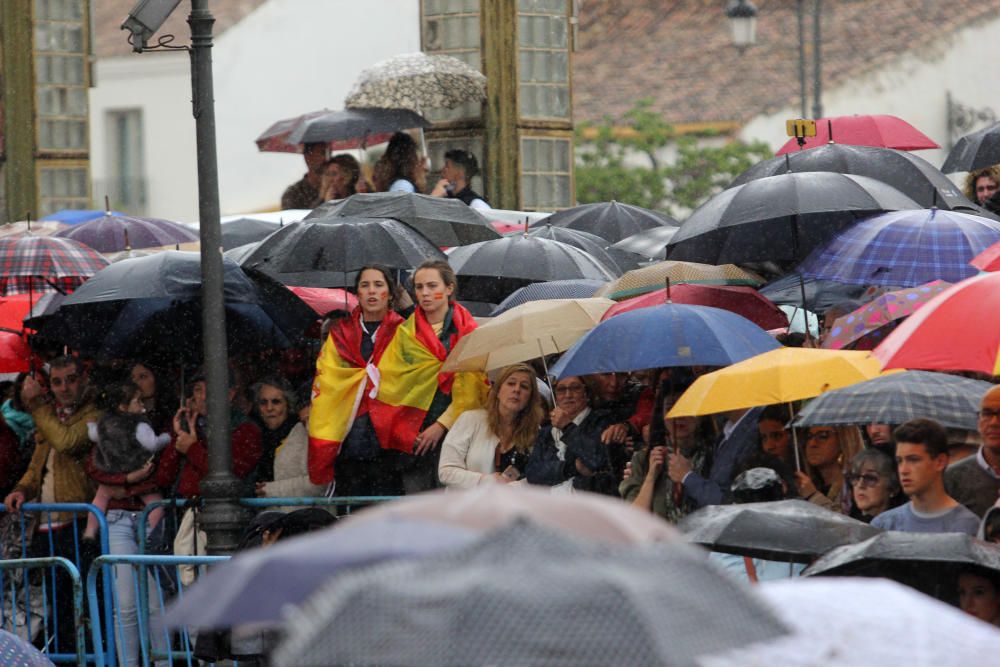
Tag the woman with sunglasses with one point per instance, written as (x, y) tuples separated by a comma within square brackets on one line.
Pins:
[(827, 452), (874, 484)]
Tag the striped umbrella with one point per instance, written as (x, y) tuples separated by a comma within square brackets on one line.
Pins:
[(45, 264)]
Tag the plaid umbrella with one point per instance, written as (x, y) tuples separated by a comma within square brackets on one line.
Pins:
[(885, 310), (904, 248), (896, 398), (417, 81), (114, 233), (653, 277), (44, 264), (580, 288)]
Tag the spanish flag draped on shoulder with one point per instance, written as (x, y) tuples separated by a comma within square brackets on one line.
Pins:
[(411, 377), (344, 388)]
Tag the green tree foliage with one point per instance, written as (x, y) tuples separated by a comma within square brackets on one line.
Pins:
[(626, 165)]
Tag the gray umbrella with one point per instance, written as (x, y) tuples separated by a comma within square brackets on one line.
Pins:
[(974, 151), (354, 123), (617, 261), (446, 222), (612, 221), (417, 81), (246, 230), (526, 595), (651, 243)]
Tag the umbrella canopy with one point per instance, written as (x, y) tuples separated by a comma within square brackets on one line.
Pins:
[(612, 221), (242, 231), (241, 252), (974, 151), (897, 398), (786, 530), (744, 301), (885, 310), (73, 216), (651, 243), (653, 277), (653, 606), (417, 81), (34, 227), (342, 130), (616, 261), (989, 259), (928, 562), (912, 175), (904, 248), (45, 264), (492, 270), (779, 376), (529, 331), (864, 130), (581, 288), (673, 334), (328, 252), (114, 233), (950, 332), (821, 295), (17, 652), (325, 300), (780, 218), (446, 222)]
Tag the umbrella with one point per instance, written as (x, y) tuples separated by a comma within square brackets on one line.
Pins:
[(821, 295), (616, 261), (15, 355), (780, 218), (328, 252), (989, 259), (241, 252), (744, 301), (951, 331), (114, 233), (897, 398), (417, 81), (16, 652), (150, 307), (912, 175), (529, 331), (73, 216), (343, 130), (113, 257), (325, 300), (651, 243), (612, 221), (673, 334), (885, 310), (974, 151), (33, 227), (554, 289), (491, 270), (866, 130), (242, 231), (850, 626), (653, 277), (516, 598), (779, 376), (904, 248), (928, 562), (786, 530), (446, 222), (45, 264)]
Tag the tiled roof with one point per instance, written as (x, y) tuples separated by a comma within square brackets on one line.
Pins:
[(110, 41), (679, 52)]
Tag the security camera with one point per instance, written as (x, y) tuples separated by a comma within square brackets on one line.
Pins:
[(145, 19)]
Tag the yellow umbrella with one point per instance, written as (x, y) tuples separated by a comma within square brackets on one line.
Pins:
[(779, 376), (529, 331)]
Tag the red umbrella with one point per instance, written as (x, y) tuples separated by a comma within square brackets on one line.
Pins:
[(989, 259), (323, 299), (956, 330), (744, 301), (882, 131), (15, 355)]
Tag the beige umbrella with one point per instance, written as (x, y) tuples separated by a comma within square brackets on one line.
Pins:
[(653, 277), (529, 331)]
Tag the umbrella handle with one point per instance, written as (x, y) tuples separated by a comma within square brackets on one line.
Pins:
[(795, 438)]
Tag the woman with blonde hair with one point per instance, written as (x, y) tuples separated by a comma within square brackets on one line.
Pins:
[(493, 444), (828, 451)]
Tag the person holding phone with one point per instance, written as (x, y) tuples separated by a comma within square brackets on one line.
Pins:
[(493, 444)]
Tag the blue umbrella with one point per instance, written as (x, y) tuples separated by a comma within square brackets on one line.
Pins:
[(72, 216), (904, 249), (580, 288), (669, 335)]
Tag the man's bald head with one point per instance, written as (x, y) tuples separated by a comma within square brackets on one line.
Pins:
[(989, 419)]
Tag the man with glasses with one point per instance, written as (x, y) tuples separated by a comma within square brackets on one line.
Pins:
[(975, 481)]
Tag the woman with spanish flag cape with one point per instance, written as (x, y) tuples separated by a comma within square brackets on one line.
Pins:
[(416, 402), (342, 436)]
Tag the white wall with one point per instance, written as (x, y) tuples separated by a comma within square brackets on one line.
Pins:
[(287, 58)]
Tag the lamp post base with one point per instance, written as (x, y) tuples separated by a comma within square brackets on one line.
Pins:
[(223, 518)]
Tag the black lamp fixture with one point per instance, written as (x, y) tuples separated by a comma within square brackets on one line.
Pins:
[(742, 15)]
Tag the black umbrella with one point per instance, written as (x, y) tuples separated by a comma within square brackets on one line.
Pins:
[(354, 124), (912, 175), (328, 252), (974, 151), (616, 261), (241, 252), (786, 530), (612, 221), (246, 230), (491, 270), (821, 295), (446, 222), (928, 562), (150, 307), (651, 243), (780, 218)]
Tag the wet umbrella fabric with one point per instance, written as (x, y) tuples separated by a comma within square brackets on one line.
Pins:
[(417, 81), (950, 400), (114, 233), (616, 261), (362, 124), (974, 151), (780, 218), (246, 230), (904, 248), (989, 259), (580, 288), (878, 315), (744, 301), (44, 264), (786, 530), (16, 652), (653, 277), (821, 295), (324, 300), (34, 227), (651, 243), (663, 336), (328, 252), (864, 130), (446, 222), (661, 605), (612, 221)]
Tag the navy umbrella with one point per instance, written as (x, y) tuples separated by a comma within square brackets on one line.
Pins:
[(580, 288), (663, 336), (612, 221), (974, 151)]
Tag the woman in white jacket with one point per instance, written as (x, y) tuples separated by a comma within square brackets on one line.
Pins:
[(492, 445), (291, 475)]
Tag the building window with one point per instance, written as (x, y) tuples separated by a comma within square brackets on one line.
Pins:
[(543, 59), (61, 75), (546, 175), (62, 185), (126, 179), (451, 27)]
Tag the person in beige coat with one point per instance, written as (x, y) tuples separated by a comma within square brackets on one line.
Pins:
[(291, 474)]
